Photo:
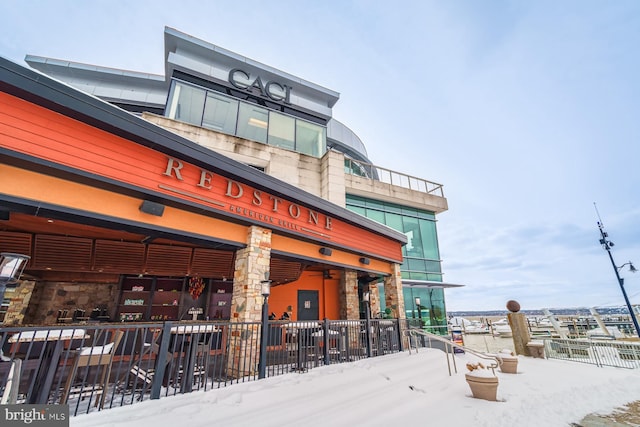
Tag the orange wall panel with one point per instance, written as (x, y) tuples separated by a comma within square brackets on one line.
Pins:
[(35, 186), (39, 132), (285, 296)]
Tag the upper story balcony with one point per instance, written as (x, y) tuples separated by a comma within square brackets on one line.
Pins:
[(367, 180)]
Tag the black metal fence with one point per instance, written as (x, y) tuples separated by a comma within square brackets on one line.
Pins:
[(97, 366)]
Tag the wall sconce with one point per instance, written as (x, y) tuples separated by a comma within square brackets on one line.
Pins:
[(326, 251), (152, 208), (365, 260)]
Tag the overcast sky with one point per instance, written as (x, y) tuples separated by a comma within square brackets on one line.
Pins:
[(526, 111)]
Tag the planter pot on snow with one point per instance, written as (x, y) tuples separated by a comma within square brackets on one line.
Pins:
[(483, 387), (509, 365)]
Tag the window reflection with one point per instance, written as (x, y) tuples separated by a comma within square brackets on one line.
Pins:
[(281, 131), (220, 113), (253, 122), (186, 103), (310, 138), (212, 110)]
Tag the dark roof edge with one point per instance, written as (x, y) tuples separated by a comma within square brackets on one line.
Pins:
[(40, 89)]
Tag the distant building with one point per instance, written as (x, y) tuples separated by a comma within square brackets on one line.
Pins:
[(259, 183)]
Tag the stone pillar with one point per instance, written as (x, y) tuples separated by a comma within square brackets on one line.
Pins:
[(374, 299), (252, 264), (393, 293), (520, 331), (349, 302), (18, 302)]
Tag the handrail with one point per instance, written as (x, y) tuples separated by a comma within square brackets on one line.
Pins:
[(496, 360)]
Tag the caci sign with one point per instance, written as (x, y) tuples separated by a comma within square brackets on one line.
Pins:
[(273, 90)]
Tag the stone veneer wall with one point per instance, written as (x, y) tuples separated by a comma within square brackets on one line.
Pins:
[(19, 302), (393, 293), (75, 291), (349, 302), (252, 264)]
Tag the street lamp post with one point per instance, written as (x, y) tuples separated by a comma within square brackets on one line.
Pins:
[(367, 316), (417, 301), (11, 267), (262, 365), (606, 245)]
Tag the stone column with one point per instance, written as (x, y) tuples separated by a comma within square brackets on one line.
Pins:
[(393, 297), (252, 265), (18, 302), (520, 333), (349, 303), (394, 300), (374, 299)]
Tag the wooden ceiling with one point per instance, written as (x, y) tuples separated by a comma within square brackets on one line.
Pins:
[(57, 245)]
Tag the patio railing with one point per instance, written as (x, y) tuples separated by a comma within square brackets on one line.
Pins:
[(98, 366), (615, 353)]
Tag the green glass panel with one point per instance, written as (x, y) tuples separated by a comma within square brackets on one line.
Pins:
[(416, 264), (433, 266), (357, 209), (375, 215), (411, 229), (429, 239), (394, 221)]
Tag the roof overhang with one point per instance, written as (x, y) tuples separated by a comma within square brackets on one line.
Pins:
[(429, 284)]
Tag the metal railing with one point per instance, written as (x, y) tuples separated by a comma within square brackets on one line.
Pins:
[(421, 338), (92, 367), (377, 173), (614, 353)]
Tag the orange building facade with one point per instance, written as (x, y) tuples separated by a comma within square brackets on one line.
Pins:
[(124, 220)]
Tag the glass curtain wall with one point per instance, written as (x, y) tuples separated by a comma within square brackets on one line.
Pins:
[(209, 109), (421, 257)]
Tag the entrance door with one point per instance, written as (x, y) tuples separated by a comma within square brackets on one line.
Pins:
[(308, 306)]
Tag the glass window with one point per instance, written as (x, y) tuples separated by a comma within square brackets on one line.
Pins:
[(310, 139), (429, 239), (186, 103), (282, 131), (376, 216), (220, 113), (253, 122), (414, 238)]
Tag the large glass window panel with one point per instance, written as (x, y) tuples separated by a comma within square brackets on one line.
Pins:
[(429, 239), (433, 266), (310, 139), (252, 122), (186, 103), (414, 238), (376, 216), (358, 210), (282, 131), (416, 264), (220, 113)]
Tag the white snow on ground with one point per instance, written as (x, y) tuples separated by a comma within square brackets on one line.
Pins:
[(397, 390)]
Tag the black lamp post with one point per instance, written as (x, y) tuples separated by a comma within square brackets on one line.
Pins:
[(266, 290), (606, 244), (418, 310), (11, 267), (367, 316)]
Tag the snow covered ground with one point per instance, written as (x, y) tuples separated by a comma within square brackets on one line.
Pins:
[(400, 389)]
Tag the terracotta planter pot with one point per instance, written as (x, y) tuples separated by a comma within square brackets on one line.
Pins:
[(509, 366), (483, 387)]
